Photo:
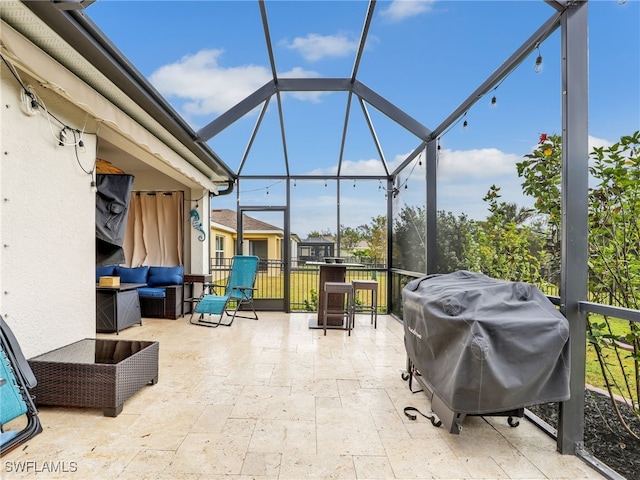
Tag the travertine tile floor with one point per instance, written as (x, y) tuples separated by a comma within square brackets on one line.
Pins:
[(273, 399)]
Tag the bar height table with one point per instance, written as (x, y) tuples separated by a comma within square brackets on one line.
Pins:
[(330, 272)]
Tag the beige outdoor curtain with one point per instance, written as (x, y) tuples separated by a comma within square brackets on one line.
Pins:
[(155, 227)]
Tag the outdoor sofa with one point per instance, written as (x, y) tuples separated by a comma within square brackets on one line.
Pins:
[(161, 297)]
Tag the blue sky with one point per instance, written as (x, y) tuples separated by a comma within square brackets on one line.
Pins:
[(425, 57)]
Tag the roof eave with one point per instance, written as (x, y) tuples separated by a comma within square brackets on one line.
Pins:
[(80, 32)]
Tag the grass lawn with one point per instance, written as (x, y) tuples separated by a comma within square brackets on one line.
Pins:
[(304, 288), (615, 367)]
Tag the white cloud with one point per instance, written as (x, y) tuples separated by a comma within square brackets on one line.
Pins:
[(371, 167), (475, 163), (315, 47), (598, 142), (207, 87), (401, 9)]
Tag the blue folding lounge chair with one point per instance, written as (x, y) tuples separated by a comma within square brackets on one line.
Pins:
[(16, 378), (238, 290)]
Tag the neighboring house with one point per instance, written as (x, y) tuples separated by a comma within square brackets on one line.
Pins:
[(315, 249), (260, 238), (54, 58)]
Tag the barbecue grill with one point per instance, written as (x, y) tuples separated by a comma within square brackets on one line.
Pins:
[(483, 346)]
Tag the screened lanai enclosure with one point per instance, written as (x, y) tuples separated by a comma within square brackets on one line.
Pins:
[(326, 135)]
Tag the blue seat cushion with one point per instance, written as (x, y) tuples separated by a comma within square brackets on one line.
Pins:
[(105, 271), (149, 292), (132, 274), (162, 276), (212, 304)]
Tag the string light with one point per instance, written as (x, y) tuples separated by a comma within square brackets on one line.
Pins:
[(538, 65), (494, 100), (62, 137)]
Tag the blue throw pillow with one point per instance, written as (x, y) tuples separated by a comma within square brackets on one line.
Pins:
[(132, 275), (104, 271), (160, 276)]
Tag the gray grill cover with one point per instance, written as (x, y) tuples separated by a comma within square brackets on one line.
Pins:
[(486, 345)]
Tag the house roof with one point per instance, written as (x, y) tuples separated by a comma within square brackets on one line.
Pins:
[(75, 42), (229, 219)]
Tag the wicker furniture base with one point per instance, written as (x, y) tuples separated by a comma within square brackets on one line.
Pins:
[(95, 373), (168, 307)]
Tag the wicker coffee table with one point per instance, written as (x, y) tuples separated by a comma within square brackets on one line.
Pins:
[(95, 373)]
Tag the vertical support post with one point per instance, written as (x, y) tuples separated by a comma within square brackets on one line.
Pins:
[(338, 239), (575, 183), (239, 243), (389, 187), (431, 208), (287, 253)]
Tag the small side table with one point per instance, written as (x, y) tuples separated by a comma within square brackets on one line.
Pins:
[(97, 373), (117, 307), (190, 281)]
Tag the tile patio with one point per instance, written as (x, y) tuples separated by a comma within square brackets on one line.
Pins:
[(273, 399)]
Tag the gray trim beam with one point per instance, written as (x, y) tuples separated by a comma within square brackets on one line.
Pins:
[(314, 177), (267, 40), (314, 84), (363, 39), (374, 135), (502, 71), (575, 212), (344, 135), (283, 133), (254, 132), (391, 111), (410, 158), (236, 112), (610, 311), (431, 183), (559, 5)]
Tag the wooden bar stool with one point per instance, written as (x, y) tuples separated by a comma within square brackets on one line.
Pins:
[(342, 288), (367, 285)]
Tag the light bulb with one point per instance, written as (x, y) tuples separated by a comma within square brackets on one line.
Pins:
[(538, 66), (494, 100), (94, 188), (63, 137)]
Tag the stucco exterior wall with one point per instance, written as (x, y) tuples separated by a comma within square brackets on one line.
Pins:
[(47, 221)]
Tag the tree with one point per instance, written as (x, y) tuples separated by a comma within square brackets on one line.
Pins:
[(375, 234), (500, 247), (541, 180), (453, 240), (316, 234), (614, 258), (349, 238), (408, 239), (614, 244)]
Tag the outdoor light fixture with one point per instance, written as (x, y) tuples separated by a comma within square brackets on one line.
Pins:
[(63, 137), (538, 66), (464, 125), (493, 101)]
